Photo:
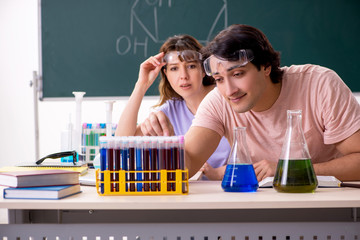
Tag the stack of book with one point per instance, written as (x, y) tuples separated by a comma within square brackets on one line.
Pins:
[(40, 184)]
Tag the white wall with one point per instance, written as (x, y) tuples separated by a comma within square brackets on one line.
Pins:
[(18, 59)]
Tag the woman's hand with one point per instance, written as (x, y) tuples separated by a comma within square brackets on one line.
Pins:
[(149, 70), (157, 124), (213, 173)]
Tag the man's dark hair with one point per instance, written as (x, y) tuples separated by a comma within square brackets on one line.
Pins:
[(239, 36)]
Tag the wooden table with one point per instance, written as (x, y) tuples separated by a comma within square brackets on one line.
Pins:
[(206, 212)]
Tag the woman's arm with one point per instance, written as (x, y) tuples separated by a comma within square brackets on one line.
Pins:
[(148, 72)]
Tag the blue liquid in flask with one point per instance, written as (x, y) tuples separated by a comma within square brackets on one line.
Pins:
[(239, 178)]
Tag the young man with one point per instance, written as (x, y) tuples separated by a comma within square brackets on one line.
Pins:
[(254, 92)]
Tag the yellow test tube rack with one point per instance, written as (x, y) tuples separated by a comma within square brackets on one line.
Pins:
[(123, 186)]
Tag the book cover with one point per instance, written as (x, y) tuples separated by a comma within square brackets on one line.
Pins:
[(82, 170), (52, 192), (88, 179), (38, 178)]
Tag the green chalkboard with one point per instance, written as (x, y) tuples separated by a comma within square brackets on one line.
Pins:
[(97, 46)]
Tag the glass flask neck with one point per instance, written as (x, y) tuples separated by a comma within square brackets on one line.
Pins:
[(294, 146), (239, 150), (294, 119)]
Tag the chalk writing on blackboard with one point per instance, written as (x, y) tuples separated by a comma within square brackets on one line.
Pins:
[(130, 44)]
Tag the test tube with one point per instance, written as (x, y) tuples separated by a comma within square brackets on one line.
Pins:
[(92, 135), (162, 157), (110, 161), (97, 134), (154, 165), (109, 109), (175, 159), (92, 142), (87, 142), (83, 136), (117, 161), (146, 163), (83, 142), (169, 162), (114, 126), (103, 129), (182, 161), (125, 158), (131, 162), (139, 159), (103, 146), (87, 134)]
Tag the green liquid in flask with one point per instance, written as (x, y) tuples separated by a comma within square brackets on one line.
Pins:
[(295, 176)]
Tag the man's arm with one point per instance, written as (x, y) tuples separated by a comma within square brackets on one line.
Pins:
[(200, 143), (346, 168)]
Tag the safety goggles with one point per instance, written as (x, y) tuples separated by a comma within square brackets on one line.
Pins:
[(186, 55), (241, 58)]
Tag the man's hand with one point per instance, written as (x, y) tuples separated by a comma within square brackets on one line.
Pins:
[(264, 169)]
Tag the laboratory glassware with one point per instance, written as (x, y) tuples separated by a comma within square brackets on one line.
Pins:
[(239, 174), (295, 172)]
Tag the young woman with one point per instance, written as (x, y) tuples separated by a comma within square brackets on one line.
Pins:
[(183, 86)]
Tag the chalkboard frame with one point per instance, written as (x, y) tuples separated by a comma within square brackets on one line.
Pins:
[(313, 40)]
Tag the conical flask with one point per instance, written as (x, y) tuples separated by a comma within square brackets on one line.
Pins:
[(295, 172), (239, 174)]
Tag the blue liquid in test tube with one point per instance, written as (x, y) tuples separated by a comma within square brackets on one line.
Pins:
[(103, 149), (139, 157)]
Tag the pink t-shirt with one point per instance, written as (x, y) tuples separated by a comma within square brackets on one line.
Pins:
[(330, 114)]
